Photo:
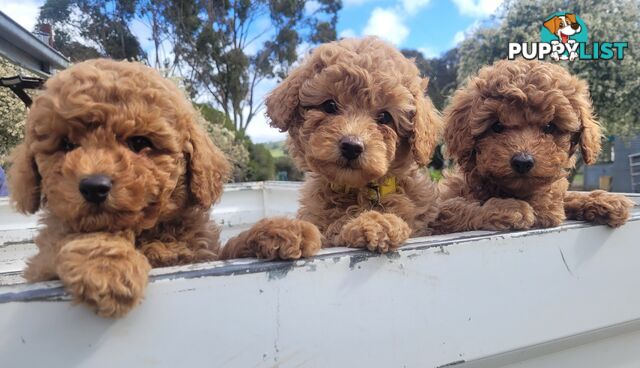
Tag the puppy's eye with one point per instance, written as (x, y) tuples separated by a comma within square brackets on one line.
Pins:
[(384, 118), (550, 128), (66, 145), (497, 127), (138, 143), (330, 107)]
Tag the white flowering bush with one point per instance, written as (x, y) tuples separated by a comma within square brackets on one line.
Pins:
[(236, 152), (12, 114)]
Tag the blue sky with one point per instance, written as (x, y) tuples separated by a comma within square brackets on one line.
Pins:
[(431, 26)]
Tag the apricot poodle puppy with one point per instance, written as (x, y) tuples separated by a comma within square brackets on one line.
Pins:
[(125, 178), (514, 130), (359, 124)]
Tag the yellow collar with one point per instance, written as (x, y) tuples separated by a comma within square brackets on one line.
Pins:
[(375, 191)]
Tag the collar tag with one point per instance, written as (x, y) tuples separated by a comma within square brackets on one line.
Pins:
[(375, 191)]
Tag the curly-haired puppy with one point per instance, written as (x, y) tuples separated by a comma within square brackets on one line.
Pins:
[(514, 129), (125, 177), (360, 124)]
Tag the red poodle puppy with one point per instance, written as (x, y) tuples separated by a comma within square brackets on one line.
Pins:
[(360, 125), (125, 178), (514, 130)]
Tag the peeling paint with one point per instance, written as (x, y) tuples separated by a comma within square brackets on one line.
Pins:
[(393, 255), (443, 251), (355, 259), (279, 273)]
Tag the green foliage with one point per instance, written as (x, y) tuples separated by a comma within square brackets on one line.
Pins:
[(214, 115), (105, 24), (262, 165), (215, 123), (276, 148), (214, 41), (284, 164), (442, 73), (614, 84), (12, 114)]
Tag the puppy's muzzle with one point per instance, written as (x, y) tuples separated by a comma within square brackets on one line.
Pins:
[(575, 26), (95, 188), (522, 163), (351, 147)]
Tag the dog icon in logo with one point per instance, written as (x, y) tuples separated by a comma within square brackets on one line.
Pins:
[(563, 26)]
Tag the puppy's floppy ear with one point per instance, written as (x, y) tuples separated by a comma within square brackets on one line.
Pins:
[(283, 103), (24, 180), (427, 126), (458, 136), (208, 168), (590, 131), (571, 17), (553, 24)]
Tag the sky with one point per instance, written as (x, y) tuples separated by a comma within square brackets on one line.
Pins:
[(430, 26)]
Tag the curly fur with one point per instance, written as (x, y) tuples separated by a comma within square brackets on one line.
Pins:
[(485, 192), (156, 213), (364, 77)]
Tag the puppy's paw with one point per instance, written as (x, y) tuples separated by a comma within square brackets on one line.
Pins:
[(605, 208), (455, 214), (378, 232), (275, 238), (105, 274), (507, 213), (162, 254)]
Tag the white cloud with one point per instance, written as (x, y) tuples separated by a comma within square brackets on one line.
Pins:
[(428, 52), (387, 24), (458, 37), (260, 131), (462, 35), (477, 8), (347, 33), (413, 6), (24, 12)]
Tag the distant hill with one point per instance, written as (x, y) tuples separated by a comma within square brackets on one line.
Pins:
[(276, 148)]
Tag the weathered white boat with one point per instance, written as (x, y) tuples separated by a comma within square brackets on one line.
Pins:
[(561, 297)]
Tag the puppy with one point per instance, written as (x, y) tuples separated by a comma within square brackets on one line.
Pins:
[(513, 130), (125, 179), (563, 26), (360, 124)]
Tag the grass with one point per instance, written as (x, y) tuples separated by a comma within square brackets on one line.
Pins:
[(276, 152)]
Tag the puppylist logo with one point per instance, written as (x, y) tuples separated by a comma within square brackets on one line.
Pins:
[(564, 37)]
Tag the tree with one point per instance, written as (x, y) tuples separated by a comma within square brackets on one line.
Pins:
[(614, 84), (262, 166), (12, 114), (285, 164), (213, 42), (442, 73), (91, 28)]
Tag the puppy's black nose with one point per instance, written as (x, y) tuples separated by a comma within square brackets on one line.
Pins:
[(575, 26), (351, 147), (95, 188), (522, 163)]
